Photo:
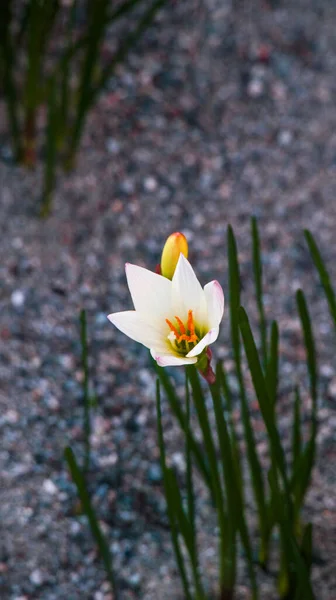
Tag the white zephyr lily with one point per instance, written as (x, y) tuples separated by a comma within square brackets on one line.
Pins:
[(176, 319)]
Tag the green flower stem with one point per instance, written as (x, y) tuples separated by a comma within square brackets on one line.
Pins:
[(191, 501), (199, 401)]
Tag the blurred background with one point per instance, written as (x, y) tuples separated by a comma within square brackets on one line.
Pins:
[(121, 122)]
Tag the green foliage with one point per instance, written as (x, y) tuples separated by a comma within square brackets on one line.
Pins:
[(279, 490), (279, 494), (37, 71)]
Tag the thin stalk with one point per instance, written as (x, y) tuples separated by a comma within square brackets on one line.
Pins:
[(257, 269), (170, 511), (191, 500), (209, 444), (256, 471)]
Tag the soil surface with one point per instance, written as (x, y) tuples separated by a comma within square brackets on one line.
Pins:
[(225, 110)]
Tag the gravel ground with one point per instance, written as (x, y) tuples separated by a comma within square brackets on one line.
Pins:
[(222, 113)]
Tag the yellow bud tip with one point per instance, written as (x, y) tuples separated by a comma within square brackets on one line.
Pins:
[(174, 246)]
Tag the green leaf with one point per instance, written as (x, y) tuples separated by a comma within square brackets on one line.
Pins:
[(236, 456), (307, 545), (83, 494), (232, 482), (256, 471), (178, 412), (323, 273), (257, 269), (210, 448), (190, 486), (296, 433), (171, 501), (260, 387), (272, 370), (296, 566), (309, 344)]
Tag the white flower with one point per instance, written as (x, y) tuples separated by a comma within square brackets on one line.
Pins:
[(177, 319)]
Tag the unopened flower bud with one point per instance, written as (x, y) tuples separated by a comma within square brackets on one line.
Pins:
[(175, 245)]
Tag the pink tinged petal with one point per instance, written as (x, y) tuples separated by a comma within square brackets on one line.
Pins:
[(169, 360), (209, 338), (188, 293), (151, 293), (139, 330), (215, 302)]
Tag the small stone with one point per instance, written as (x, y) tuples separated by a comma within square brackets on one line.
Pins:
[(11, 417), (49, 487), (285, 138), (255, 88), (150, 184), (18, 298), (155, 473), (36, 577), (52, 403), (134, 580), (112, 146)]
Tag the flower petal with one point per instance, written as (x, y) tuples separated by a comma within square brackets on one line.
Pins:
[(188, 293), (151, 293), (169, 360), (139, 329), (208, 339), (215, 302)]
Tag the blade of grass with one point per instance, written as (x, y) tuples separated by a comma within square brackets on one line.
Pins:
[(225, 575), (257, 269), (272, 369), (256, 471), (83, 494), (169, 499), (308, 457), (236, 514), (296, 432), (259, 383), (175, 405), (294, 559), (236, 456), (323, 273), (190, 485), (310, 347)]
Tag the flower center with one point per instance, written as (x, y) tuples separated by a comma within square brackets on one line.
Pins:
[(182, 333)]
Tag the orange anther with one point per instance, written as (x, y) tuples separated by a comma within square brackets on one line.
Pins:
[(191, 325), (182, 335), (172, 328), (181, 326)]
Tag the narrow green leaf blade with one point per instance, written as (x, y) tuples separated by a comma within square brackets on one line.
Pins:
[(169, 499), (262, 394), (272, 369), (83, 494), (175, 406), (323, 273), (257, 269)]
